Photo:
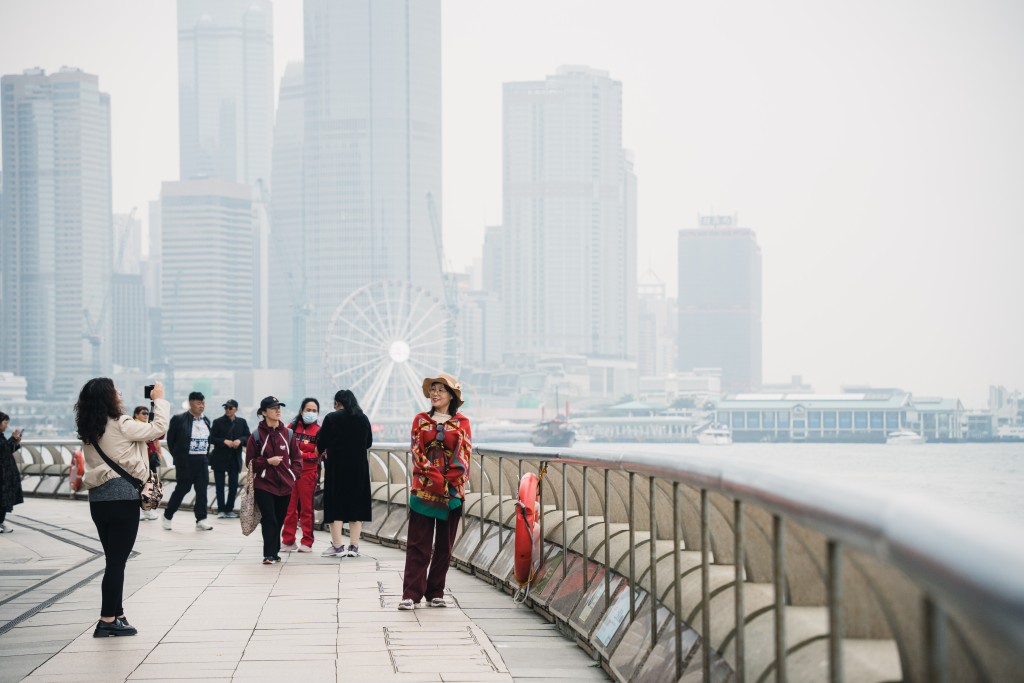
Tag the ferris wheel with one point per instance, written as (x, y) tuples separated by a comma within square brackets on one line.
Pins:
[(383, 340)]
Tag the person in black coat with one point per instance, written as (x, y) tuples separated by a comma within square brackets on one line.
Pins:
[(10, 476), (228, 436), (188, 440), (344, 438)]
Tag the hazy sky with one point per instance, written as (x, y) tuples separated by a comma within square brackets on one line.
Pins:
[(876, 147)]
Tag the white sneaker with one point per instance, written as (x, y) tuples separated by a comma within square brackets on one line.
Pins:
[(203, 524), (406, 604), (4, 529), (305, 549), (165, 522), (150, 514), (222, 515), (288, 548)]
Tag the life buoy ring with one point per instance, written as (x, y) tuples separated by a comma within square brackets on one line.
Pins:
[(527, 534), (76, 470)]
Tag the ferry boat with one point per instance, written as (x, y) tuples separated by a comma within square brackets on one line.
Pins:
[(1010, 433), (904, 437), (553, 433), (715, 435)]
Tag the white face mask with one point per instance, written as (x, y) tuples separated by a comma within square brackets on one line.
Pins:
[(309, 417)]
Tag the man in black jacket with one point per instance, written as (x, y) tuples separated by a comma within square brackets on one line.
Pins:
[(228, 435), (188, 440)]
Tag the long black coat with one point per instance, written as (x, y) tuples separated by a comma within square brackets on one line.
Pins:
[(344, 439), (10, 477)]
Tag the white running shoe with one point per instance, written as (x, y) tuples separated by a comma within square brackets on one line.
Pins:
[(203, 524), (4, 529), (288, 548), (333, 551), (406, 604), (150, 514), (165, 522), (305, 549)]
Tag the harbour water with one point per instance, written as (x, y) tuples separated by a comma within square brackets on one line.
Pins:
[(986, 478)]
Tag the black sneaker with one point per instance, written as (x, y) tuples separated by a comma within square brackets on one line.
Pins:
[(277, 558), (117, 627)]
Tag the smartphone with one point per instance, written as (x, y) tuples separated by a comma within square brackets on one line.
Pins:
[(149, 390)]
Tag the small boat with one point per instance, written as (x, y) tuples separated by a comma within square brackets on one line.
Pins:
[(715, 434), (553, 433), (1010, 433), (904, 437)]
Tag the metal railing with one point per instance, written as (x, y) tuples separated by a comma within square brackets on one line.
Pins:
[(672, 566)]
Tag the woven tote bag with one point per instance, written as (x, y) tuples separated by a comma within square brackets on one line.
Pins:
[(248, 513)]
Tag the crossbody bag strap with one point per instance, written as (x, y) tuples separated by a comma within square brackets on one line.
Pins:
[(117, 468)]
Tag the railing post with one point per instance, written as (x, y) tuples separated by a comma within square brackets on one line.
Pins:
[(935, 642), (654, 559), (501, 511), (779, 571), (480, 506), (607, 543), (586, 543), (835, 612), (565, 518), (540, 498), (632, 552), (705, 582), (677, 568), (741, 623)]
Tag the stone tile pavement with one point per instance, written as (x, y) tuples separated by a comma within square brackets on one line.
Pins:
[(206, 608)]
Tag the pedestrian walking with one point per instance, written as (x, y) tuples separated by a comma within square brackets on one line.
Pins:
[(10, 475), (188, 440), (228, 434), (441, 449), (300, 506), (113, 499), (345, 436), (276, 465), (141, 413)]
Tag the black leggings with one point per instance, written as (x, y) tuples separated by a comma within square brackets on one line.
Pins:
[(117, 523), (272, 511)]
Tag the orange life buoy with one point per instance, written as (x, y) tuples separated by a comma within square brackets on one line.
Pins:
[(527, 530), (76, 470)]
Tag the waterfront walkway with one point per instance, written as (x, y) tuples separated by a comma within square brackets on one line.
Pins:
[(206, 608)]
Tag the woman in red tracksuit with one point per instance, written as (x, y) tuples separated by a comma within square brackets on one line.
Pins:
[(300, 507), (276, 465)]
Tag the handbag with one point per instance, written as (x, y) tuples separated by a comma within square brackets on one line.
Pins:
[(248, 513), (151, 491)]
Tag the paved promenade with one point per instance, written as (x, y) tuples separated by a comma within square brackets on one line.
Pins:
[(206, 608)]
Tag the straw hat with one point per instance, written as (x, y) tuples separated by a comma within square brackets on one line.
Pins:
[(445, 379)]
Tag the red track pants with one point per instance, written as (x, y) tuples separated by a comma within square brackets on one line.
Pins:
[(300, 507)]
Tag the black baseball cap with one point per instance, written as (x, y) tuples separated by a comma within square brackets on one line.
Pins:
[(231, 403), (196, 396), (270, 402)]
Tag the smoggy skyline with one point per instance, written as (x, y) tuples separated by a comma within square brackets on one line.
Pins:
[(875, 149)]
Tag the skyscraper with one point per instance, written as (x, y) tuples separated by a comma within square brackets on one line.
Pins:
[(226, 89), (569, 217), (720, 301), (57, 231), (292, 255), (373, 152), (208, 319)]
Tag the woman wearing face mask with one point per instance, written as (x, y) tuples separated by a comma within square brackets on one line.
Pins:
[(300, 507)]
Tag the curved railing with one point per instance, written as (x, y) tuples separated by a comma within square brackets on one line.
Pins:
[(789, 579)]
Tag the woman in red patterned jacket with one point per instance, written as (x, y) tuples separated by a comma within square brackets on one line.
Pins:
[(441, 450), (300, 507)]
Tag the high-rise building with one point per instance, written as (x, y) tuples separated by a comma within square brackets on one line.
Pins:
[(292, 255), (372, 152), (57, 232), (720, 301), (131, 323), (226, 89), (569, 217), (656, 326), (208, 306)]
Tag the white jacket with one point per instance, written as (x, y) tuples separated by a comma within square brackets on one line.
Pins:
[(124, 442)]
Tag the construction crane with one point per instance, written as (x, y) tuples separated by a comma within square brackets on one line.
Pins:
[(94, 326), (451, 294)]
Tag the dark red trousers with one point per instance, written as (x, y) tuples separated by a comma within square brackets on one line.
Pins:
[(428, 554), (300, 506)]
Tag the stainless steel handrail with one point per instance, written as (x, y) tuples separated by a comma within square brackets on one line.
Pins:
[(966, 569)]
